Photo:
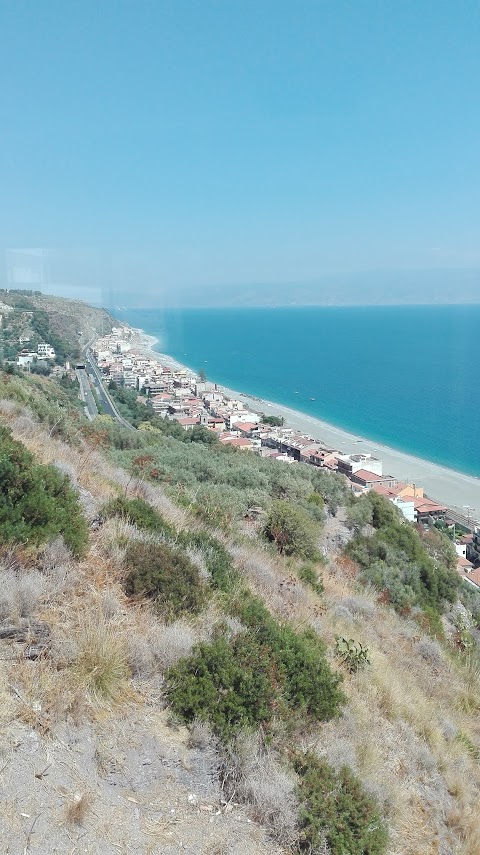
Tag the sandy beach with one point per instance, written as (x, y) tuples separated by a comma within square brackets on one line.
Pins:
[(459, 491)]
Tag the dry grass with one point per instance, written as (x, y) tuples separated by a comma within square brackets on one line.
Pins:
[(255, 775), (410, 730), (101, 667), (159, 647), (77, 809)]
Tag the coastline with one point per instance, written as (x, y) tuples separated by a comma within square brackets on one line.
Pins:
[(456, 489)]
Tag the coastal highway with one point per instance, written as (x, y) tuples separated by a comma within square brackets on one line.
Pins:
[(86, 393), (102, 393)]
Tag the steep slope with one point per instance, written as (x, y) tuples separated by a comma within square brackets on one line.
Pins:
[(93, 758)]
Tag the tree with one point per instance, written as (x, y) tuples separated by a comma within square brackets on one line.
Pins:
[(292, 531), (275, 421), (202, 376), (359, 514)]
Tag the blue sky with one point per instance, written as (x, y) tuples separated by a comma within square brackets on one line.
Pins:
[(171, 144)]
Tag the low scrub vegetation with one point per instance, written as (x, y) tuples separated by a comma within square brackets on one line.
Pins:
[(166, 576), (291, 530), (37, 502), (269, 669), (309, 574), (256, 689), (218, 560), (137, 512), (336, 813), (396, 562), (101, 666), (222, 485), (228, 684)]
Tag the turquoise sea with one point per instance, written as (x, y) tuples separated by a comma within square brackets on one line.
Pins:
[(405, 376)]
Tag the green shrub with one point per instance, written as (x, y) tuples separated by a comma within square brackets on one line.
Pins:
[(395, 561), (292, 531), (316, 499), (218, 505), (166, 575), (337, 811), (306, 682), (37, 503), (288, 670), (308, 573), (227, 684), (217, 559), (139, 513), (359, 514)]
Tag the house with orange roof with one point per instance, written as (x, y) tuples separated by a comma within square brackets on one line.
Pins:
[(426, 510), (187, 423), (369, 479), (472, 576), (239, 442), (463, 564)]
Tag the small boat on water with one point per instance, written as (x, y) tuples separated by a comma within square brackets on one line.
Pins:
[(312, 399)]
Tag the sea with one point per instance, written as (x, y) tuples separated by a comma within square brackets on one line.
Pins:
[(404, 376)]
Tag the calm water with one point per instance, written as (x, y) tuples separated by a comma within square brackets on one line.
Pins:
[(405, 376)]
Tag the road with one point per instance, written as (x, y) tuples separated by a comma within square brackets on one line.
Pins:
[(86, 393), (105, 399)]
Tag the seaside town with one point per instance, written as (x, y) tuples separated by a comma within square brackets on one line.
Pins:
[(174, 392), (125, 357)]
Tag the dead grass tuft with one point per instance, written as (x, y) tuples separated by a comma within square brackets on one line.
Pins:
[(77, 809), (20, 593), (101, 666), (255, 775)]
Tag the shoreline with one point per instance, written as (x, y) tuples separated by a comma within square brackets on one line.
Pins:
[(461, 492)]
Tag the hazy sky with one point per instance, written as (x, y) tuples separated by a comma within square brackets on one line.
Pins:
[(191, 143)]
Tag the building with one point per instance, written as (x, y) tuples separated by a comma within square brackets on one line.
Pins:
[(349, 464), (473, 548), (370, 480), (325, 458), (26, 357), (428, 511), (188, 423), (45, 351), (406, 506), (237, 441)]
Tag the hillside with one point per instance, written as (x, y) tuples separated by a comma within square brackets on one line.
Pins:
[(67, 325), (182, 674)]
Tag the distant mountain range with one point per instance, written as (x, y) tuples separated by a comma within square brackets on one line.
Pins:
[(376, 288)]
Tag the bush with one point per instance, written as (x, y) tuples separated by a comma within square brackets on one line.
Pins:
[(336, 811), (291, 530), (217, 559), (307, 684), (137, 512), (288, 669), (395, 560), (165, 575), (309, 575), (228, 684), (37, 503), (359, 514)]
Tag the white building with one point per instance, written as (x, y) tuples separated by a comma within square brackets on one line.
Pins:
[(45, 351), (406, 506), (348, 464), (26, 357), (244, 417)]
